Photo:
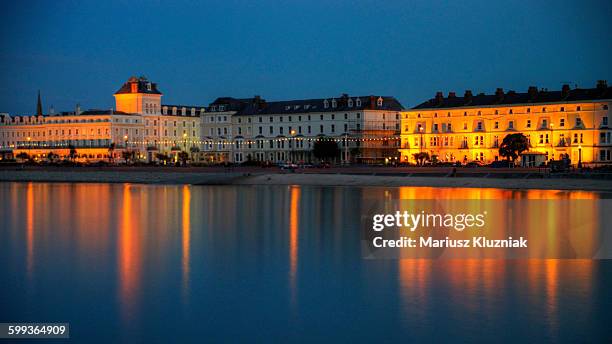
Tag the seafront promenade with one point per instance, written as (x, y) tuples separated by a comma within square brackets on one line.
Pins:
[(335, 176)]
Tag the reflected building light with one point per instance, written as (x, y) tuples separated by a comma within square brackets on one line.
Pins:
[(186, 237), (293, 239), (30, 229), (129, 254)]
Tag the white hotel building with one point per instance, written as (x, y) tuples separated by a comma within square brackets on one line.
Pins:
[(366, 129)]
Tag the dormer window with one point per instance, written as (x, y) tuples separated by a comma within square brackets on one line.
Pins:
[(350, 103), (334, 103), (296, 107), (379, 102), (221, 107), (358, 102), (148, 86), (287, 107), (326, 103)]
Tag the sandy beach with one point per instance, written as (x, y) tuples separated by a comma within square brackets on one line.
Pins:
[(154, 176)]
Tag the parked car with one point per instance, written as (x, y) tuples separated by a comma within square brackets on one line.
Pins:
[(501, 164), (473, 164), (289, 166)]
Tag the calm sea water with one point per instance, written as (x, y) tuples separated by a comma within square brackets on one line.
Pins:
[(142, 263)]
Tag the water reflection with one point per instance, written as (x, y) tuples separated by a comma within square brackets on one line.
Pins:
[(293, 239), (186, 228), (218, 258), (30, 229), (129, 256)]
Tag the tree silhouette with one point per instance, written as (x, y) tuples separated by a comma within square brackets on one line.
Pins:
[(111, 151), (325, 149), (513, 145)]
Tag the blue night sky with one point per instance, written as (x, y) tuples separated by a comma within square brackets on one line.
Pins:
[(82, 51)]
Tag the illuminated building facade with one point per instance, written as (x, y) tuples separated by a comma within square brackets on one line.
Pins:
[(572, 123), (90, 133), (140, 124), (366, 129), (168, 129)]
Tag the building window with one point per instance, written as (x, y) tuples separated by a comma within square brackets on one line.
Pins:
[(510, 112), (511, 125), (358, 102), (334, 103), (496, 125), (528, 110), (605, 107), (562, 109), (528, 123), (577, 108), (562, 122), (578, 122), (604, 121), (321, 128)]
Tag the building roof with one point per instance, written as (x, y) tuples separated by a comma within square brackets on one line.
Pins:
[(199, 110), (259, 106), (532, 96), (143, 85)]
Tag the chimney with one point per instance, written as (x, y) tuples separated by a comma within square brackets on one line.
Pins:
[(602, 84), (565, 89), (533, 92), (499, 93), (112, 111), (468, 96), (77, 111), (52, 110), (439, 98), (452, 95)]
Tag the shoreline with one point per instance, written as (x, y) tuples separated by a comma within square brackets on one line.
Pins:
[(314, 179)]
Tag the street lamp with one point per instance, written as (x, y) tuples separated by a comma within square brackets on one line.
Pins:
[(421, 143), (29, 145), (552, 142), (292, 133), (580, 157)]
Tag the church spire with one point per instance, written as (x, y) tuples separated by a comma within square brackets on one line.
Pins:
[(39, 111)]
